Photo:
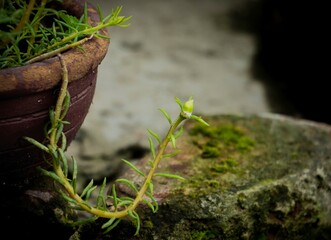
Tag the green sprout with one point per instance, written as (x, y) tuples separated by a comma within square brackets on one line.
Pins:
[(122, 206)]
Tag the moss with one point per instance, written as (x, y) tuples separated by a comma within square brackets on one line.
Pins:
[(244, 180), (222, 136), (222, 150), (202, 235), (228, 165), (212, 183), (294, 155), (210, 152), (148, 224)]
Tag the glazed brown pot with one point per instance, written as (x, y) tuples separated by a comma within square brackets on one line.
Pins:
[(28, 92)]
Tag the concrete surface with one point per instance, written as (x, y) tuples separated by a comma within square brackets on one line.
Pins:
[(172, 48)]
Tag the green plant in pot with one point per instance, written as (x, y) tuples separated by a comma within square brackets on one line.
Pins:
[(32, 33), (50, 52)]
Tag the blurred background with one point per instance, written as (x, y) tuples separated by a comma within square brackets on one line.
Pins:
[(232, 56)]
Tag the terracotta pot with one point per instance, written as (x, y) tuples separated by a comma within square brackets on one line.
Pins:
[(27, 93)]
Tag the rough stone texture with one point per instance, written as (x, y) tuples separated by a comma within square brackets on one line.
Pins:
[(247, 177)]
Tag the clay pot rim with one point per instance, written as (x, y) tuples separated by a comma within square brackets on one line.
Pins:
[(47, 74)]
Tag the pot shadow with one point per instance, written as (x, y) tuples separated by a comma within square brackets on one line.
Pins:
[(291, 54)]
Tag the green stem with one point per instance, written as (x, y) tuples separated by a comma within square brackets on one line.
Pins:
[(59, 102), (88, 31), (58, 51), (143, 189), (26, 16), (156, 162), (69, 188), (35, 27), (58, 170)]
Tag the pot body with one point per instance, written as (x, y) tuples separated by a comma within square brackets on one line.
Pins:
[(27, 115), (28, 92)]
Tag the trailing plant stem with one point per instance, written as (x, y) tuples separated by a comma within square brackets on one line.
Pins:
[(66, 184), (122, 207), (59, 102), (156, 162), (143, 189)]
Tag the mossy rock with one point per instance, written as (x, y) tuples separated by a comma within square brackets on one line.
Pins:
[(247, 177)]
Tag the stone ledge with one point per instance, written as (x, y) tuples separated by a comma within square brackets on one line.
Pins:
[(247, 177)]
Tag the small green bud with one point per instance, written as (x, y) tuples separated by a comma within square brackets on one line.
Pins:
[(188, 108)]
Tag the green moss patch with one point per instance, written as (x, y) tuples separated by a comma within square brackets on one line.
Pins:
[(220, 138), (203, 235), (222, 150), (228, 165)]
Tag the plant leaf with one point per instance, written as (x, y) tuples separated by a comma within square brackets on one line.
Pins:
[(151, 187), (129, 183), (86, 189), (169, 175), (64, 161), (166, 115), (37, 144), (89, 192), (114, 196), (59, 130), (108, 223), (151, 146), (52, 175), (63, 142), (179, 102), (112, 226), (134, 167), (179, 132), (199, 119), (150, 205), (101, 200), (173, 141), (74, 174), (136, 220), (156, 205), (169, 155), (154, 135)]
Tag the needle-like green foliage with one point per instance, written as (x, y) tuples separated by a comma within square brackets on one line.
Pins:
[(27, 36), (122, 206), (34, 30)]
